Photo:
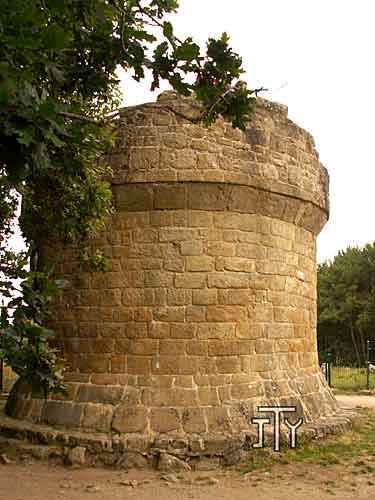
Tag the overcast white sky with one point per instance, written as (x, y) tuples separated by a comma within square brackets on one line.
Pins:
[(317, 57)]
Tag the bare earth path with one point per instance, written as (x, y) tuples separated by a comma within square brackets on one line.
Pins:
[(42, 482), (296, 481), (354, 400)]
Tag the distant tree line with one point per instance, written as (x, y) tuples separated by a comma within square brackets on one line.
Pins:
[(346, 304)]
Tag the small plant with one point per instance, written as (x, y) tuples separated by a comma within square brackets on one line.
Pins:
[(24, 341)]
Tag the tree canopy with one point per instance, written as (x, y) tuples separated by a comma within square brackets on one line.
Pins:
[(58, 100), (346, 303)]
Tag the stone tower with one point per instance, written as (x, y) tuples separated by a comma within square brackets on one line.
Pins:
[(209, 306)]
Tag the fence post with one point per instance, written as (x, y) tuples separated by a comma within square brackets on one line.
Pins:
[(328, 363), (367, 364), (329, 366)]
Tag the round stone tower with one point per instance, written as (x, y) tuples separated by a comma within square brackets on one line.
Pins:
[(208, 308)]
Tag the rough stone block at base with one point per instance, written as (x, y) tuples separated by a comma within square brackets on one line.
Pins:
[(198, 452), (62, 413)]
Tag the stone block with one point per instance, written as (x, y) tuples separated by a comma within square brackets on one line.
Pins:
[(193, 421), (206, 197), (171, 347), (92, 363), (199, 263), (130, 419), (191, 247), (132, 460), (238, 264), (118, 364), (98, 417), (62, 413), (221, 248), (204, 297), (228, 364), (76, 456), (139, 365), (207, 331), (176, 234), (208, 396), (170, 463), (105, 394), (144, 347), (233, 220), (170, 197), (198, 218), (195, 314), (158, 279), (122, 346), (133, 197), (176, 397), (197, 348), (178, 297), (237, 297), (171, 313), (190, 280), (226, 314), (244, 391), (159, 329), (228, 280), (165, 420)]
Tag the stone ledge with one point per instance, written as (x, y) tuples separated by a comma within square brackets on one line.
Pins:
[(113, 450), (287, 206)]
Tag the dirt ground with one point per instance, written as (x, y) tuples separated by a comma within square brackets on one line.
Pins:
[(356, 400), (297, 482), (294, 481)]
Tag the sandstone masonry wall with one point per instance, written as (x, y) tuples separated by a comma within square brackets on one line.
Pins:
[(209, 305)]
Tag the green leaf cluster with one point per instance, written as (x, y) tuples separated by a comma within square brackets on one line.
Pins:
[(24, 340)]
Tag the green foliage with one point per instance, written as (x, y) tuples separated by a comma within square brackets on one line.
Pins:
[(346, 303), (23, 338), (214, 75), (58, 91)]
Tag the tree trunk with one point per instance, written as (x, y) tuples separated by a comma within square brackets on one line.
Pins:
[(20, 391)]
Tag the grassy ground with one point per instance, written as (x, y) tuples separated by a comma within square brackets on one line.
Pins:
[(356, 447), (350, 379)]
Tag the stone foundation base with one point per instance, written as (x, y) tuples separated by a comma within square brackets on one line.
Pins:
[(115, 421), (137, 451), (153, 410)]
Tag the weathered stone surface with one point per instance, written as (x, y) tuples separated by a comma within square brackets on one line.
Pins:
[(76, 456), (132, 460), (62, 413), (98, 417), (130, 419), (208, 304), (202, 452), (169, 463), (165, 420)]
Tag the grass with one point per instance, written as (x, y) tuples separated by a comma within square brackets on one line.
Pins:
[(350, 379), (357, 445)]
